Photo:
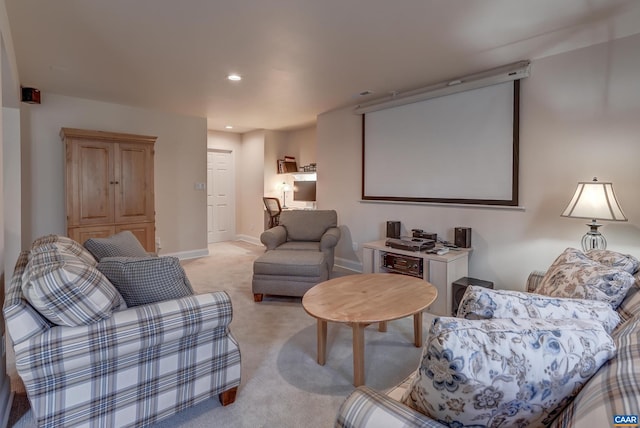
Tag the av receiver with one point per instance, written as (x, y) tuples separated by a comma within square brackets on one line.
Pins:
[(403, 264)]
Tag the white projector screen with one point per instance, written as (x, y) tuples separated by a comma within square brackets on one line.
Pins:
[(460, 148)]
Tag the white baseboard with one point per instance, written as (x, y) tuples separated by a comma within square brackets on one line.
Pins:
[(191, 254), (352, 265), (249, 239)]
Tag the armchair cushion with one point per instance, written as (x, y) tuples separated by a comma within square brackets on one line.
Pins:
[(300, 246), (146, 280), (123, 244), (573, 274), (484, 303), (68, 291), (505, 372), (307, 225)]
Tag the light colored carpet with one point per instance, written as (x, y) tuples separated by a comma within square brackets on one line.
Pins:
[(282, 385)]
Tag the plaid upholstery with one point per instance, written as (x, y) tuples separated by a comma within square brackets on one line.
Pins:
[(146, 280), (534, 280), (134, 368), (64, 243), (366, 407), (630, 306), (615, 388), (123, 244), (23, 321), (66, 290)]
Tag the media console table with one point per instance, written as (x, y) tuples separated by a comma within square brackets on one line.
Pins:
[(441, 271)]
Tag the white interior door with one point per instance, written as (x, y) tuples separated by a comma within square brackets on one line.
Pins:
[(220, 196)]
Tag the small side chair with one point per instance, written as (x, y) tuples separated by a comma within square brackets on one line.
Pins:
[(273, 209)]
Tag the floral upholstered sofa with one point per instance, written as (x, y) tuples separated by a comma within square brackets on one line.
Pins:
[(558, 355), (115, 337)]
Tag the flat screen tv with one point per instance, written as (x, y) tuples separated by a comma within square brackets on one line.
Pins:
[(304, 191)]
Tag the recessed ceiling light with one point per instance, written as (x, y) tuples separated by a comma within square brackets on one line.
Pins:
[(228, 127), (234, 77)]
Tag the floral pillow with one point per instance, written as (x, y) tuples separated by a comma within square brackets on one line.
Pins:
[(483, 303), (625, 262), (573, 274), (505, 372)]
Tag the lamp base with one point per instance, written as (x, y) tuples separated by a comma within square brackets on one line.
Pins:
[(593, 239)]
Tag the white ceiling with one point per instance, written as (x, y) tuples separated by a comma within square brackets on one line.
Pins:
[(298, 58)]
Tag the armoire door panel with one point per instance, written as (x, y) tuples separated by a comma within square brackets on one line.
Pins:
[(93, 202), (134, 190), (81, 234)]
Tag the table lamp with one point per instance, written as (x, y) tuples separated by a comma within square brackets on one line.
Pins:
[(285, 188), (594, 200)]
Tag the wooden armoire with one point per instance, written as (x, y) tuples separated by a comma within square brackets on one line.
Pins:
[(109, 185)]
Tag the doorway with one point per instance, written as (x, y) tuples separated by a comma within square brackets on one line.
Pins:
[(221, 211)]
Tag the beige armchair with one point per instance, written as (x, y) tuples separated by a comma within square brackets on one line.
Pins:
[(305, 230), (299, 253)]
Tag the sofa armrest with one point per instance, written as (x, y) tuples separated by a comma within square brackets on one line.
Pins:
[(330, 238), (365, 407), (534, 279), (125, 334), (273, 237)]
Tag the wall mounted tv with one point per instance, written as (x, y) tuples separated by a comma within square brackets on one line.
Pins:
[(304, 191)]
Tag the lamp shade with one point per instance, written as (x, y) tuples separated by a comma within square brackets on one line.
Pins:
[(594, 200)]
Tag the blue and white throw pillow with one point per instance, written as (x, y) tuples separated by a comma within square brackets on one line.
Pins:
[(505, 372), (484, 303)]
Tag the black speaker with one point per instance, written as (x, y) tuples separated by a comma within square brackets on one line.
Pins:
[(462, 237), (393, 229), (459, 287), (30, 95)]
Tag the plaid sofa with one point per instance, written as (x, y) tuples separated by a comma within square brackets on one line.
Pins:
[(134, 368), (613, 390)]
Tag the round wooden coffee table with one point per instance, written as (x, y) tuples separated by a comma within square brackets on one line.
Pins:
[(363, 299)]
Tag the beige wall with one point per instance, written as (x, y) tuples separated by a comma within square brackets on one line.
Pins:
[(10, 204), (250, 186), (223, 141), (579, 119), (299, 143), (275, 147), (180, 162)]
